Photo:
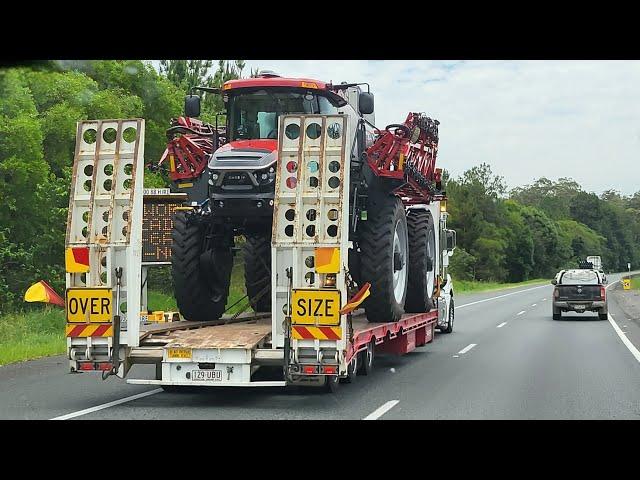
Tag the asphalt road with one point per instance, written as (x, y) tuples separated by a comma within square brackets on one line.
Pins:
[(506, 359)]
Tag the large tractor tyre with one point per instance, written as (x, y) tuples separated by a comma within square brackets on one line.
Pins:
[(257, 271), (383, 259), (201, 279), (422, 261)]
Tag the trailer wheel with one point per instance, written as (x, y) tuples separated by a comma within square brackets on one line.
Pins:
[(332, 383), (422, 261), (366, 359), (384, 259), (201, 279), (450, 318), (352, 369), (257, 271)]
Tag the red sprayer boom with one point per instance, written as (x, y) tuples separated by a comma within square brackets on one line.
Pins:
[(407, 154), (190, 141)]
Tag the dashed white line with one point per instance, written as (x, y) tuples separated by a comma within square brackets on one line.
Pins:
[(107, 405), (520, 313), (544, 299), (534, 304), (467, 348), (499, 296), (378, 412), (501, 325)]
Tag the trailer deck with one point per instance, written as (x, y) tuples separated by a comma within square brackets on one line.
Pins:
[(247, 343)]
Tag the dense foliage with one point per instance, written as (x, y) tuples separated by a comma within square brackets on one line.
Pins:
[(534, 230), (39, 108)]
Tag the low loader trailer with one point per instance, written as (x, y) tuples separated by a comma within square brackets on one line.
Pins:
[(315, 331)]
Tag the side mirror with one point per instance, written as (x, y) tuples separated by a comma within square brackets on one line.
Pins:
[(554, 282), (365, 103), (450, 238), (192, 106)]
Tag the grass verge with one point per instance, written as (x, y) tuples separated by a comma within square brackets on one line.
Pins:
[(471, 286), (40, 332)]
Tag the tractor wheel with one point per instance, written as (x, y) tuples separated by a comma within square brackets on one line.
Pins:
[(383, 257), (422, 261), (201, 279), (257, 271)]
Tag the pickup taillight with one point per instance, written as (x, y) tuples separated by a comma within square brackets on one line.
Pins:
[(556, 292), (603, 292)]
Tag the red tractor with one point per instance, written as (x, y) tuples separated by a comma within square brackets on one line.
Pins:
[(229, 175)]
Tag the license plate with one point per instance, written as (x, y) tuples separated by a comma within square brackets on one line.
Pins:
[(179, 353), (203, 375), (86, 305), (579, 307), (315, 307)]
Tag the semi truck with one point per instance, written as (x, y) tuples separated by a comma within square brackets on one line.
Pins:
[(346, 245)]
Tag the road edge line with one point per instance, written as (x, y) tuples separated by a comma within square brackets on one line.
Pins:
[(499, 296), (106, 405)]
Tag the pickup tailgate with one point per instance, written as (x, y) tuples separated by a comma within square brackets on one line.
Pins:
[(578, 292)]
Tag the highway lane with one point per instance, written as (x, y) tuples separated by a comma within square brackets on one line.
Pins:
[(515, 363)]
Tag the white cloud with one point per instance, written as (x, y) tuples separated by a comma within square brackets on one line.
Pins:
[(527, 119)]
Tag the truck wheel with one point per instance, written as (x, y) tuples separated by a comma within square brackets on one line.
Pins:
[(384, 259), (557, 315), (201, 279), (603, 316), (422, 261), (450, 318), (365, 362), (257, 271)]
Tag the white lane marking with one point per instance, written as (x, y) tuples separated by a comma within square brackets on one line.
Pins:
[(499, 296), (534, 304), (501, 325), (107, 405), (634, 351), (378, 412), (544, 299), (456, 356), (467, 348), (520, 313)]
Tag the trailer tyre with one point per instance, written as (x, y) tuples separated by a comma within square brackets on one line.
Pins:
[(257, 271), (331, 384), (365, 362), (383, 259), (422, 261), (201, 293)]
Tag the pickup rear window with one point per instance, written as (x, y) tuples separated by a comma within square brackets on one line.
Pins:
[(580, 277)]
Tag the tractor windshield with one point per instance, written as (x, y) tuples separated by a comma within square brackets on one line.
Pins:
[(255, 115)]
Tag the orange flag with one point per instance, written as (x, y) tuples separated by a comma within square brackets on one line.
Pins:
[(357, 299), (42, 292)]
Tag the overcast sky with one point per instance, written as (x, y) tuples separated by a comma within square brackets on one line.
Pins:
[(527, 119)]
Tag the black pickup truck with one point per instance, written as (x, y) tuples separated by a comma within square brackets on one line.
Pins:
[(579, 290)]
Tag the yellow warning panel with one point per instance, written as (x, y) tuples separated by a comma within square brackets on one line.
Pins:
[(327, 260), (89, 305), (626, 283)]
